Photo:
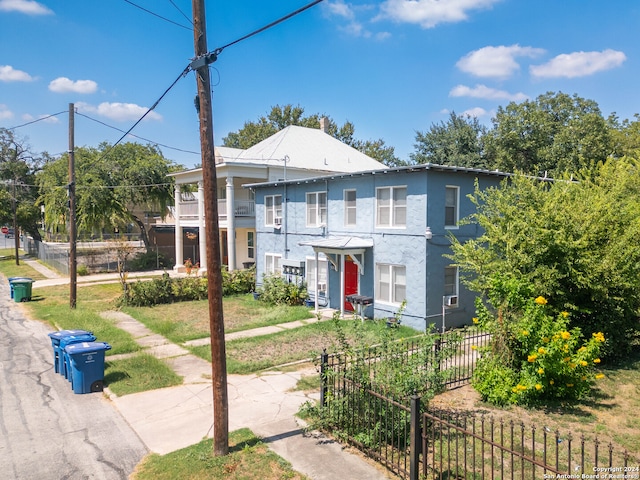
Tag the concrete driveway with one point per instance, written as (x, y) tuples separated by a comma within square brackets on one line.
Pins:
[(47, 431)]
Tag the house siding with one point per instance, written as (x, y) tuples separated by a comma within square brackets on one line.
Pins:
[(407, 246)]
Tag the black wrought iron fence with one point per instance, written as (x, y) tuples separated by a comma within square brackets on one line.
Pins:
[(415, 442)]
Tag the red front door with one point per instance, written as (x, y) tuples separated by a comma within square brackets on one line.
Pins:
[(350, 281)]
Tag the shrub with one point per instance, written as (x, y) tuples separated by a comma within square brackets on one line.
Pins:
[(82, 270), (276, 290), (533, 357), (238, 281), (148, 261)]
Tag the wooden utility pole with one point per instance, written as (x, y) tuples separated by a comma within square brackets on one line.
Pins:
[(214, 272), (16, 229), (72, 212)]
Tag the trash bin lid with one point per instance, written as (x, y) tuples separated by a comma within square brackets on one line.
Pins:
[(85, 347), (20, 280), (68, 340), (68, 333)]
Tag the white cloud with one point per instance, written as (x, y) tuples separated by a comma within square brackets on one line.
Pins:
[(482, 91), (340, 9), (121, 112), (64, 85), (476, 112), (29, 7), (5, 113), (10, 74), (429, 13), (579, 64), (495, 62)]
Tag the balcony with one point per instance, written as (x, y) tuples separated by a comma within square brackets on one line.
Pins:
[(242, 208)]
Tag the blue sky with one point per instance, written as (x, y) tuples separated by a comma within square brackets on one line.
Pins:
[(391, 67)]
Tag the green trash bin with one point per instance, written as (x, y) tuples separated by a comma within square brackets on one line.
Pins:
[(22, 289)]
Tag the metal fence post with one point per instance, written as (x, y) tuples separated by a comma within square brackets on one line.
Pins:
[(324, 360), (415, 438)]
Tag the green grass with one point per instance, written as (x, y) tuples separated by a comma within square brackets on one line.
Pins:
[(248, 458), (51, 304), (241, 312), (9, 268), (259, 353), (139, 373)]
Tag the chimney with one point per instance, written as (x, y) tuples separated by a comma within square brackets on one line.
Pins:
[(324, 124)]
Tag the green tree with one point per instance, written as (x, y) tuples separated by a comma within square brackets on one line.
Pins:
[(574, 242), (554, 133), (18, 167), (281, 117), (458, 142), (112, 184)]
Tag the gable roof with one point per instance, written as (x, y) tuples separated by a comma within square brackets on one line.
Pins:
[(308, 149)]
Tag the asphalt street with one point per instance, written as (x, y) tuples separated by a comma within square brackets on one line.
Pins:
[(46, 430)]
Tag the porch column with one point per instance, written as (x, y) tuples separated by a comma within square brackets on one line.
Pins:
[(315, 281), (231, 225), (202, 234), (178, 229), (342, 284)]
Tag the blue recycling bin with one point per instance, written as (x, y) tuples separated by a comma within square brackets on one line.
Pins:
[(58, 353), (87, 366), (64, 364)]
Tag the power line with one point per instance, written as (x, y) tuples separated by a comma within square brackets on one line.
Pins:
[(156, 15), (137, 136), (178, 8), (38, 120), (218, 50)]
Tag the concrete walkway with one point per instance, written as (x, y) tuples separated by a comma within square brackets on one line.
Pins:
[(172, 418)]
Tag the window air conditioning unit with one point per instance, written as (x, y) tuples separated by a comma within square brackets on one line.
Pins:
[(451, 301), (277, 221)]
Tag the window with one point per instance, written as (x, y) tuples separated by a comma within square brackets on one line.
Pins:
[(450, 281), (323, 274), (251, 248), (272, 209), (349, 207), (391, 285), (316, 209), (272, 264), (452, 195), (391, 207)]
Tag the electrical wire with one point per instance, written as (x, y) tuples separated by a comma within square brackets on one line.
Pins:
[(151, 108), (38, 120), (178, 8), (156, 15), (136, 136), (218, 50)]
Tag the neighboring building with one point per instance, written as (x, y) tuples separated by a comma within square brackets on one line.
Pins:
[(292, 153), (378, 234)]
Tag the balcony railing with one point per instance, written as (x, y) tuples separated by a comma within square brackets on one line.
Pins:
[(242, 208)]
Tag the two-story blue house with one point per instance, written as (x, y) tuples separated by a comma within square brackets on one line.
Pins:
[(372, 240)]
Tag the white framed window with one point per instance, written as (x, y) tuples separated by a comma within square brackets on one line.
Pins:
[(251, 245), (323, 275), (272, 264), (272, 210), (316, 209), (349, 207), (450, 281), (391, 206), (451, 202), (391, 283)]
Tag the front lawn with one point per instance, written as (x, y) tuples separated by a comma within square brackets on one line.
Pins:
[(241, 312)]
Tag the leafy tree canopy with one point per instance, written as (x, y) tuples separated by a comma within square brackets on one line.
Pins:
[(554, 133), (18, 167), (457, 142), (281, 117), (112, 183), (574, 242)]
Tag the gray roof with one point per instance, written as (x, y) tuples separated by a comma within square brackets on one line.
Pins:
[(310, 149)]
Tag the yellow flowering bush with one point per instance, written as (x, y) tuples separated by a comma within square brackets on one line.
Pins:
[(534, 357)]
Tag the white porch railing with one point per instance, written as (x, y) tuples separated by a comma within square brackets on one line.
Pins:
[(242, 208)]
